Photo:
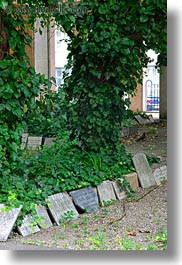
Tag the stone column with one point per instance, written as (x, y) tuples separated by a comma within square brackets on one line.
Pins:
[(45, 51)]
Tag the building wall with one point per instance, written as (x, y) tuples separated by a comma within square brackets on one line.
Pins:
[(137, 100), (42, 51), (30, 51)]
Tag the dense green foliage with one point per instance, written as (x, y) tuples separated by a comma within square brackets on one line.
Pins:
[(49, 118), (108, 44), (59, 168), (19, 86)]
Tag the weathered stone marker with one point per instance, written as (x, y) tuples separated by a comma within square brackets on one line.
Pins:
[(27, 227), (86, 199), (132, 178), (7, 221), (24, 140), (34, 141), (164, 171), (49, 141), (151, 119), (120, 194), (106, 192), (160, 174), (143, 170), (60, 204), (141, 120), (42, 213)]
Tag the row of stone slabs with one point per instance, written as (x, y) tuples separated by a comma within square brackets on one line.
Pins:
[(34, 141), (59, 204), (83, 199)]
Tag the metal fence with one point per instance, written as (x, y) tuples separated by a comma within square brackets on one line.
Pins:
[(152, 96)]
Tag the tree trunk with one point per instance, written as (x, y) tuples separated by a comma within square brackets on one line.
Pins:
[(3, 39)]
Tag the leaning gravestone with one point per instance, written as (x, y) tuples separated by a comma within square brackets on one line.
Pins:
[(45, 221), (143, 170), (151, 119), (106, 192), (160, 174), (85, 199), (34, 141), (7, 221), (49, 141), (28, 227), (24, 140), (61, 204), (164, 171), (120, 194), (141, 120)]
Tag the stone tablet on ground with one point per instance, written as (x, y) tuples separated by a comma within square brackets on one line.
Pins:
[(24, 140), (160, 174), (86, 199), (60, 205), (27, 227), (151, 119), (141, 120), (45, 221), (106, 192), (120, 194), (34, 141), (164, 172), (132, 178), (143, 170), (7, 221), (49, 141)]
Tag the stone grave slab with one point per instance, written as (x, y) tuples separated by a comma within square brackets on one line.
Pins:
[(49, 141), (27, 227), (34, 141), (126, 131), (120, 194), (7, 221), (59, 204), (160, 174), (24, 140), (43, 214), (157, 175), (143, 170), (132, 178), (141, 120), (164, 171), (151, 119), (85, 199), (106, 192)]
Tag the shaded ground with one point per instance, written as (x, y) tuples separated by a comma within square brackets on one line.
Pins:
[(120, 226), (154, 142)]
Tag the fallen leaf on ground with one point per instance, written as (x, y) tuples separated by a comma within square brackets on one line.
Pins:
[(144, 231), (131, 233)]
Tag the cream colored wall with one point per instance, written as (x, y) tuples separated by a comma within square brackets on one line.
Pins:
[(44, 51)]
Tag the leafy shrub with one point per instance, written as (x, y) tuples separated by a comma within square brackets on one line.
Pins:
[(62, 167), (152, 159), (49, 118)]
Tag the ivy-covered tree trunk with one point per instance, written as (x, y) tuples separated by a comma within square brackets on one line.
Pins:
[(3, 37), (108, 45)]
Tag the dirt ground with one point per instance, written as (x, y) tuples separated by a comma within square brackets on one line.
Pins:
[(131, 224)]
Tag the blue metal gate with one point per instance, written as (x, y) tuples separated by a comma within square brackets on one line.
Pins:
[(152, 96)]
